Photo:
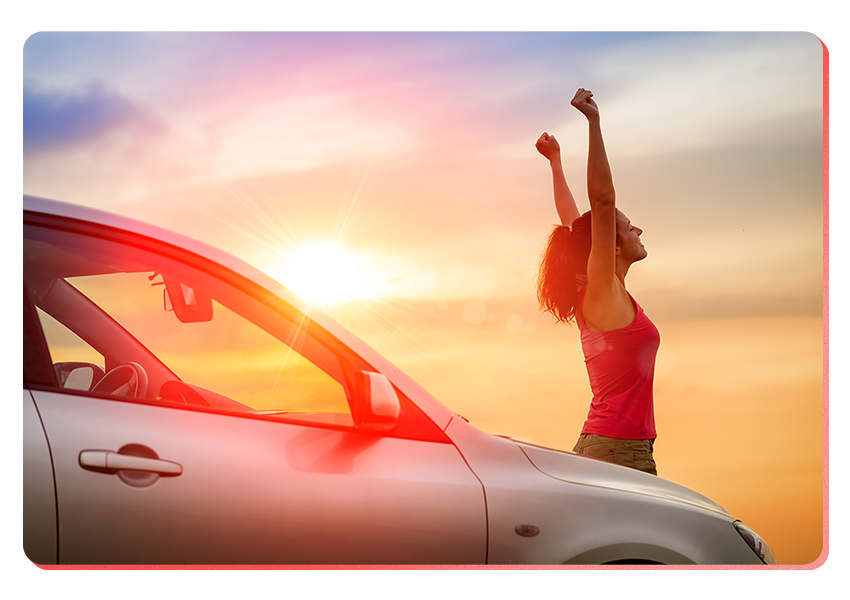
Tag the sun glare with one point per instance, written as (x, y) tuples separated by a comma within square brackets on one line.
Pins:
[(325, 273)]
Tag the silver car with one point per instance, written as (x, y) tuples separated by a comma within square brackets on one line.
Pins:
[(181, 407)]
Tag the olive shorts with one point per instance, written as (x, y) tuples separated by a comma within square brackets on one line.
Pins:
[(636, 454)]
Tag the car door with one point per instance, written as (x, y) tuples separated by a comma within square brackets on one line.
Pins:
[(252, 491), (216, 426)]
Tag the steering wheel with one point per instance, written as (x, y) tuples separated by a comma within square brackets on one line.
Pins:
[(128, 379)]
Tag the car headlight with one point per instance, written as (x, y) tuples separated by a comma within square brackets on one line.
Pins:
[(755, 542)]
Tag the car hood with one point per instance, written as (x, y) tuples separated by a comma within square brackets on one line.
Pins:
[(572, 468)]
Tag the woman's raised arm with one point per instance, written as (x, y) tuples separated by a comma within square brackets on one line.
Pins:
[(600, 192), (607, 304), (565, 204)]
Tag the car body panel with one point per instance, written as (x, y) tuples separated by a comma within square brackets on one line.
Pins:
[(38, 488), (587, 522), (573, 468), (256, 491)]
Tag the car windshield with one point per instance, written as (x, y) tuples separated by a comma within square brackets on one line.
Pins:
[(110, 303)]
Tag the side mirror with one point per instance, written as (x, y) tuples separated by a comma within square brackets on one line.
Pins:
[(188, 304), (377, 406), (78, 375)]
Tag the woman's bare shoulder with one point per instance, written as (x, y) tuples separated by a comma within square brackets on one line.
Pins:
[(606, 308)]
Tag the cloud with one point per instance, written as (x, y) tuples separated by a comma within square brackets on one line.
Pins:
[(61, 119), (709, 89), (671, 92)]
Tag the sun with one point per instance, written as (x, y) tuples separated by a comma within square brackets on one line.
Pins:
[(326, 273)]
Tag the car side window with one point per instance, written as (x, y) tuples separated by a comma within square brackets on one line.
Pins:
[(134, 324)]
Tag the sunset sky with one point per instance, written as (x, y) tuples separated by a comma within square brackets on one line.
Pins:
[(409, 158)]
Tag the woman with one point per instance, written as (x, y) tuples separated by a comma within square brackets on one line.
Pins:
[(583, 279)]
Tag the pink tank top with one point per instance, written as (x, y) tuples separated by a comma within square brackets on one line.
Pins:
[(621, 366)]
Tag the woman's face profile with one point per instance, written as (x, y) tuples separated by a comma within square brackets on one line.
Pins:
[(629, 245)]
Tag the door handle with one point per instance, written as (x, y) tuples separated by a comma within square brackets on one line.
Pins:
[(105, 461)]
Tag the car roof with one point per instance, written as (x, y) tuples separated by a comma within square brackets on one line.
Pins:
[(430, 405)]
